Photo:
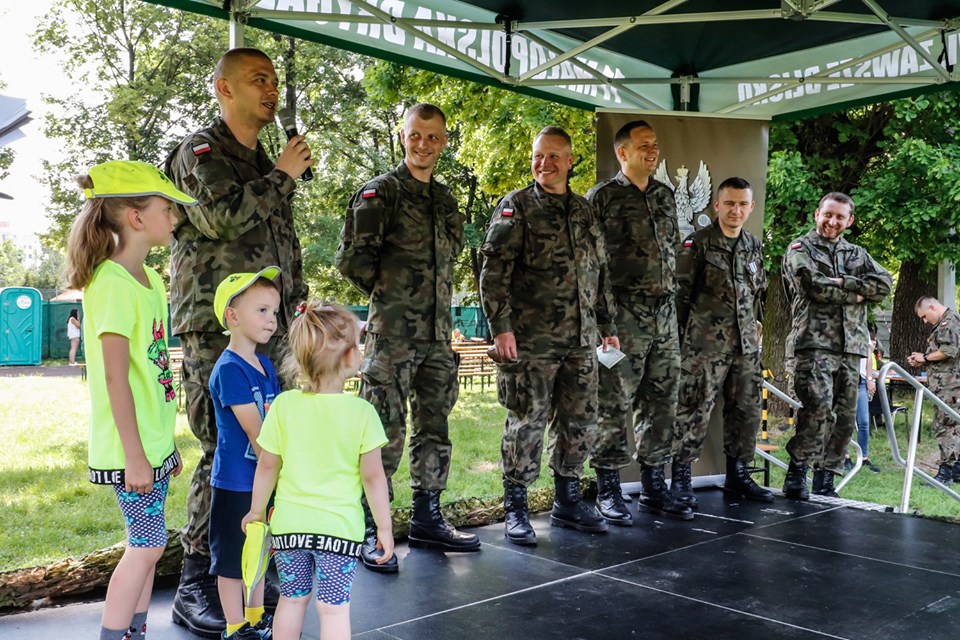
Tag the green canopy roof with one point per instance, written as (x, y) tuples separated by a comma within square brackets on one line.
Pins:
[(751, 58)]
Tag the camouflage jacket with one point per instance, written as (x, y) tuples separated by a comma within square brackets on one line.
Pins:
[(544, 271), (825, 315), (641, 233), (400, 240), (720, 291), (243, 222), (945, 337)]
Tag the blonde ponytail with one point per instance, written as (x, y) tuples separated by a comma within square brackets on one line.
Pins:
[(95, 232), (319, 337)]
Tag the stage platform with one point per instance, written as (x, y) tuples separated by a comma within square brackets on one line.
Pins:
[(739, 570)]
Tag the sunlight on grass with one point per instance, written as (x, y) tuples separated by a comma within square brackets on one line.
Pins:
[(48, 509)]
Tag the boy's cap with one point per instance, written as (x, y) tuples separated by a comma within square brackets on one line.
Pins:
[(235, 284), (131, 179)]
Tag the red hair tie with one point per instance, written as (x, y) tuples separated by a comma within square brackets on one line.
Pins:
[(301, 308)]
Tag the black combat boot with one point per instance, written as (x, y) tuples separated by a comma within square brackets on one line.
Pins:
[(429, 530), (657, 498), (944, 474), (610, 503), (795, 484), (681, 483), (197, 603), (569, 510), (956, 472), (368, 550), (740, 482), (823, 483), (516, 515)]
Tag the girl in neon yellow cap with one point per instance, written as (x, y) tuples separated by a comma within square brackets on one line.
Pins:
[(133, 403)]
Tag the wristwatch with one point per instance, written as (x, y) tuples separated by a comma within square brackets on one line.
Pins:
[(925, 359)]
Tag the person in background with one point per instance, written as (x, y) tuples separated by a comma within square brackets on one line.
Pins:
[(73, 335), (868, 387)]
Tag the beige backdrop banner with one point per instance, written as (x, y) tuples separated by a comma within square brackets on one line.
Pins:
[(727, 147)]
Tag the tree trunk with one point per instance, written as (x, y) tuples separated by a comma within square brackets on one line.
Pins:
[(908, 333), (776, 326)]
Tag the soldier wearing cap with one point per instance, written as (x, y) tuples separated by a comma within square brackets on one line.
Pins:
[(401, 237), (721, 285), (544, 290), (829, 282), (244, 220), (639, 218), (942, 362)]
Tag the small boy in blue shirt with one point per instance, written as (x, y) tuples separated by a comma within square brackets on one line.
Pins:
[(243, 384)]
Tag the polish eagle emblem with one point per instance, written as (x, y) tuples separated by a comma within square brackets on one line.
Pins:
[(690, 200)]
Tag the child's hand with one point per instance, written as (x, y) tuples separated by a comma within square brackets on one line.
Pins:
[(385, 542), (252, 516), (177, 469), (138, 475)]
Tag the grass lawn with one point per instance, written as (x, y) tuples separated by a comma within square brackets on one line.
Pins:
[(48, 509)]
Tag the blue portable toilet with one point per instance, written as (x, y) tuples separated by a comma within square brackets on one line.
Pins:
[(21, 322)]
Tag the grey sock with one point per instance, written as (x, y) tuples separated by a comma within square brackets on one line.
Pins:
[(138, 626), (114, 634)]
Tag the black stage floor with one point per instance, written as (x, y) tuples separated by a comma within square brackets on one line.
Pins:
[(739, 570)]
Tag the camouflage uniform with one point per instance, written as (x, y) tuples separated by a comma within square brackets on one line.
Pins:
[(719, 298), (400, 241), (243, 222), (641, 233), (943, 378), (544, 279), (828, 338)]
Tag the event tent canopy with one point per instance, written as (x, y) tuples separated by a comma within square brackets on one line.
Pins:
[(777, 59)]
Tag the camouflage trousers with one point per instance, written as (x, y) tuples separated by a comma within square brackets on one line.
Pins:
[(556, 390), (946, 430), (395, 370), (642, 386), (703, 377), (200, 353), (827, 384)]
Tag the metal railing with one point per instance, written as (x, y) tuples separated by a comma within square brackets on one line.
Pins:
[(783, 465), (910, 463)]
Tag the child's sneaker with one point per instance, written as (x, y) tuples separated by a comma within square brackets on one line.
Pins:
[(246, 632), (265, 627)]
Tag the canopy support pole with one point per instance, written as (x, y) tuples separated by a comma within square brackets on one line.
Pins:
[(237, 22), (947, 284), (906, 37)]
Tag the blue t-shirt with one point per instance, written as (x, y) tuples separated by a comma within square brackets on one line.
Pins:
[(235, 382)]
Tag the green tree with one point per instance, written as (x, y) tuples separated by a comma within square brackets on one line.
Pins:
[(48, 274), (12, 271)]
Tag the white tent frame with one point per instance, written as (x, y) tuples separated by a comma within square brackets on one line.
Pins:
[(797, 10)]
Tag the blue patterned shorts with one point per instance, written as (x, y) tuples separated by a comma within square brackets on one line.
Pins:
[(334, 575), (144, 514)]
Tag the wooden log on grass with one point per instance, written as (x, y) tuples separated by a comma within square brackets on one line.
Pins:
[(39, 586)]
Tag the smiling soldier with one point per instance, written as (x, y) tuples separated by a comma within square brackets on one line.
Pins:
[(400, 240), (544, 289), (828, 282), (243, 222)]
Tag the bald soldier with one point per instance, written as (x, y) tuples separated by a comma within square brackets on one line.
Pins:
[(942, 362), (401, 237), (242, 223), (544, 290)]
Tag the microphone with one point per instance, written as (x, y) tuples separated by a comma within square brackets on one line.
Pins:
[(289, 125)]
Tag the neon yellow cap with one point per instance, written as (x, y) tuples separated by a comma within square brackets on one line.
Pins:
[(131, 179), (235, 284)]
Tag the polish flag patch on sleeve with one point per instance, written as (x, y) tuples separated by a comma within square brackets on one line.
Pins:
[(369, 193), (201, 149), (688, 243), (795, 246), (507, 213)]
